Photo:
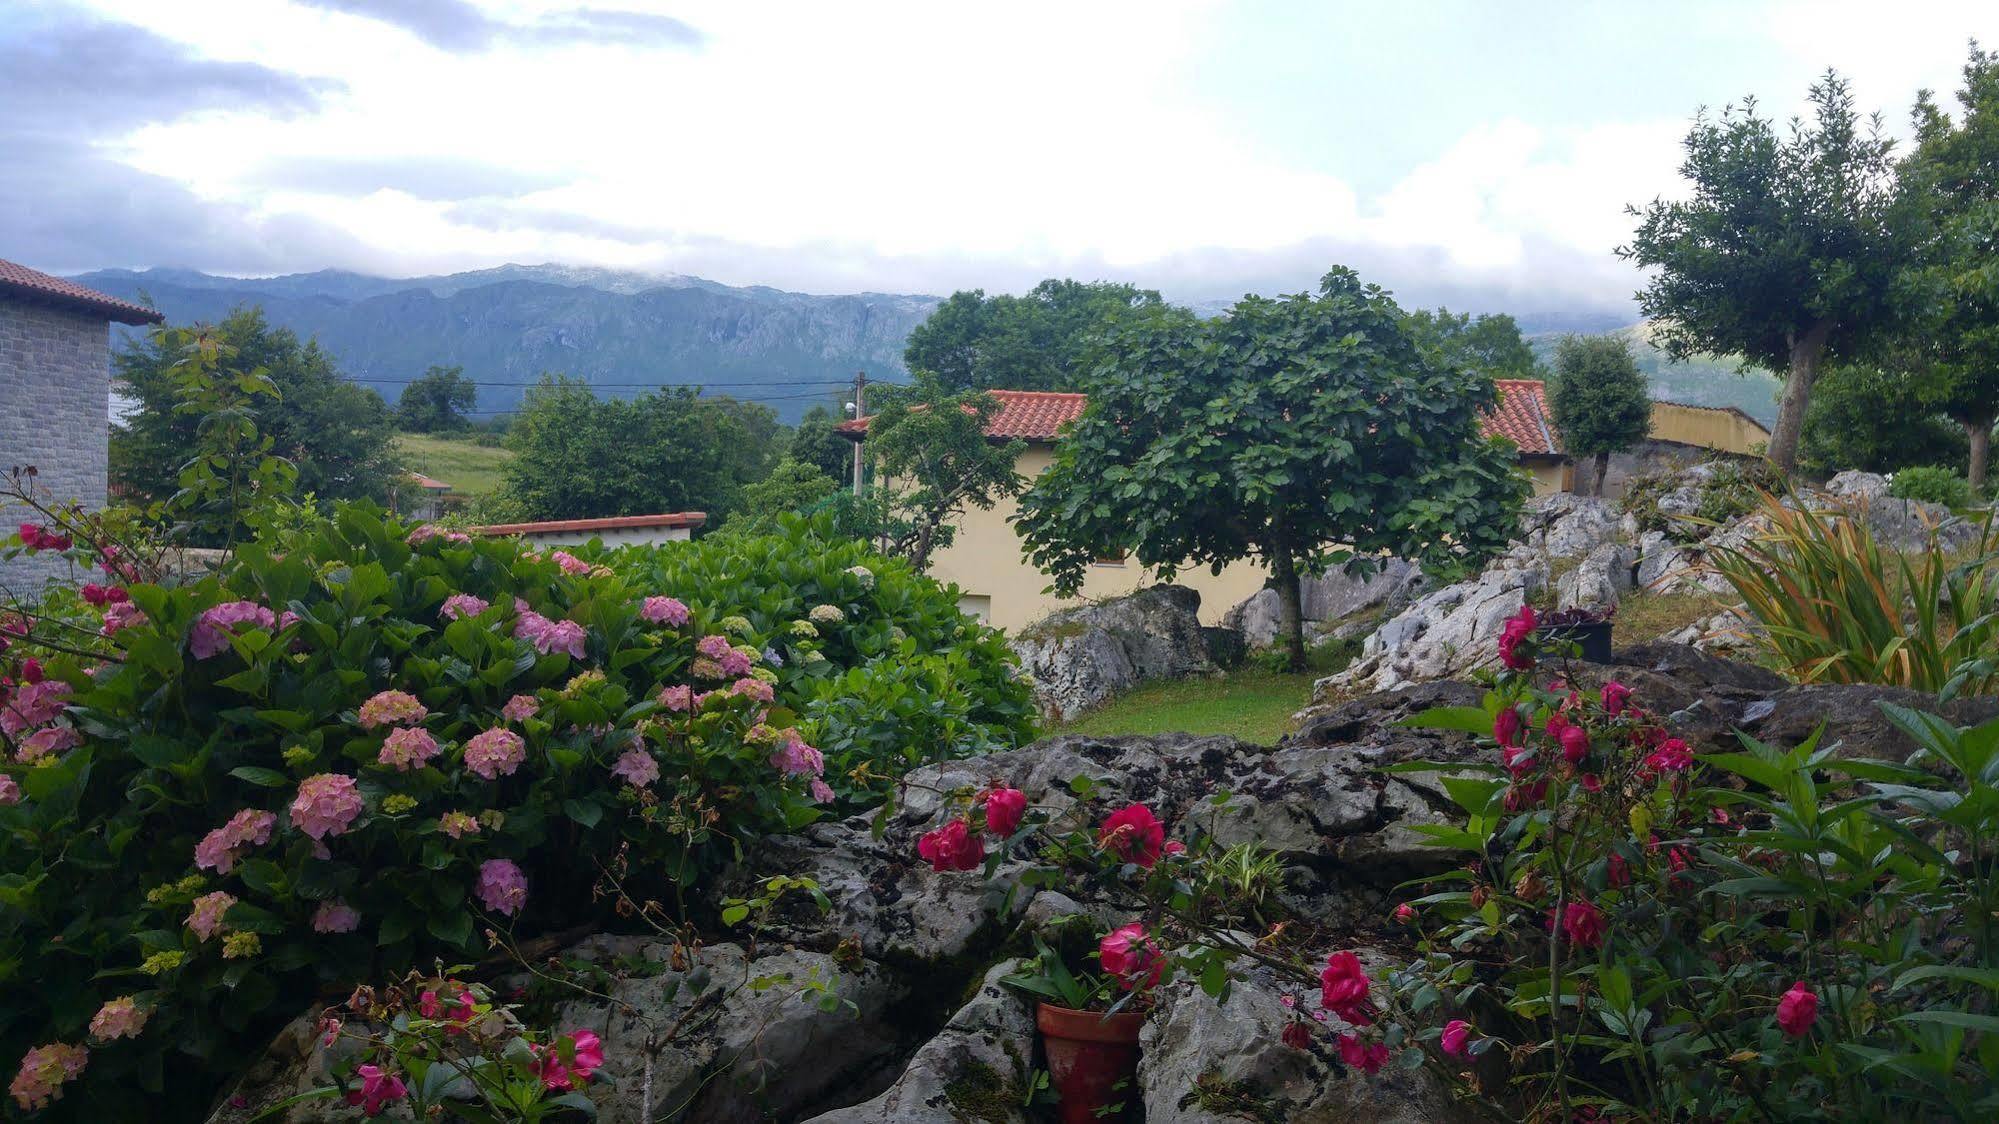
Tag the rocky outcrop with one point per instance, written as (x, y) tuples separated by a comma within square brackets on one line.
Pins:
[(1082, 657), (1599, 581), (1332, 605), (1566, 525), (1445, 632), (1899, 524)]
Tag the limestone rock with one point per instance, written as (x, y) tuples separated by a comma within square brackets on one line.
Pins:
[(1444, 633), (1081, 657), (976, 1068), (1327, 601), (1600, 580), (1567, 525)]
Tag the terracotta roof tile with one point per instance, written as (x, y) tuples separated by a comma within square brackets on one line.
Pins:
[(1522, 417), (1039, 415), (19, 279), (611, 523)]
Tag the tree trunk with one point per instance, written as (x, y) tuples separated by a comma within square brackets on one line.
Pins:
[(1291, 616), (1981, 452), (1806, 352), (1602, 467)]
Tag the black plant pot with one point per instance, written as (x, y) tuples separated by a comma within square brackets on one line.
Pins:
[(1593, 638)]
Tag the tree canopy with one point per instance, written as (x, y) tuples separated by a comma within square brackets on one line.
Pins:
[(437, 401), (1034, 342), (1298, 432), (815, 443), (1786, 249), (1490, 344), (932, 460), (1600, 402), (1952, 179), (1866, 417), (335, 434), (578, 456)]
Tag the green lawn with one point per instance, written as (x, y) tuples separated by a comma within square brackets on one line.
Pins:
[(1252, 704), (470, 469)]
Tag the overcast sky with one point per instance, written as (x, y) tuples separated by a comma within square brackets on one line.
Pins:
[(1477, 153)]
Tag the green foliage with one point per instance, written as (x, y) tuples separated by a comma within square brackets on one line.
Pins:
[(1786, 246), (1740, 937), (932, 460), (1491, 345), (1835, 607), (187, 722), (1600, 403), (1039, 341), (792, 487), (1298, 431), (1729, 489), (815, 443), (1866, 417), (334, 434), (577, 456), (1931, 484), (437, 401)]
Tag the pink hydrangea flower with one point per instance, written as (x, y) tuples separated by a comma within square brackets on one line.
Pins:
[(794, 758), (121, 616), (206, 919), (502, 886), (460, 605), (219, 849), (10, 791), (119, 1018), (47, 740), (820, 791), (44, 1071), (713, 646), (677, 697), (664, 610), (214, 627), (408, 747), (636, 767), (495, 753), (335, 917), (33, 704), (569, 563), (458, 825), (392, 708), (520, 708), (549, 636), (427, 531), (736, 663), (755, 690), (327, 805)]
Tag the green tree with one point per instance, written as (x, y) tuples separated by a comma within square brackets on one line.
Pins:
[(1601, 404), (577, 456), (1868, 418), (815, 443), (931, 460), (336, 435), (1488, 344), (793, 486), (1953, 180), (1039, 341), (1300, 432), (1786, 250), (437, 401)]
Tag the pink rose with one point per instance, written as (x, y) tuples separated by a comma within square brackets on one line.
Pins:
[(1368, 1057), (1582, 923), (1131, 956), (1004, 809), (1518, 628), (1405, 914), (1506, 726), (1453, 1040), (1615, 695), (1575, 743)]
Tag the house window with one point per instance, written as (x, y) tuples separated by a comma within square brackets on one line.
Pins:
[(976, 605), (1110, 559)]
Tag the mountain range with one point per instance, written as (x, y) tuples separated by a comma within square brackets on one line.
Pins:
[(620, 331), (623, 331)]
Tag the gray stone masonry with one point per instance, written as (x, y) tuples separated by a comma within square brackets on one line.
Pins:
[(55, 387)]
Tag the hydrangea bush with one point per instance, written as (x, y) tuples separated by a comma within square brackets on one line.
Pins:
[(357, 747)]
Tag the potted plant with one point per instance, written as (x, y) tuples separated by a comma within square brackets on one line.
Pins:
[(1088, 1034), (1588, 629)]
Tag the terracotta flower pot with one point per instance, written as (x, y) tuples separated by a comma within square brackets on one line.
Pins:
[(1092, 1060)]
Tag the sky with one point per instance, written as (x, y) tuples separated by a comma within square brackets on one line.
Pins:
[(1473, 154)]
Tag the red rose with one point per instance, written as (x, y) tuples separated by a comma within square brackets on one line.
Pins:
[(1368, 1057), (1131, 956), (1506, 726), (1797, 1010), (1343, 988), (1582, 923), (1672, 756), (1133, 834), (1004, 807), (1575, 743), (1519, 627), (1453, 1040), (1298, 1036), (1615, 695), (952, 847)]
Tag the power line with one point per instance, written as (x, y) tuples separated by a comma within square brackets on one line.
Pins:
[(828, 383)]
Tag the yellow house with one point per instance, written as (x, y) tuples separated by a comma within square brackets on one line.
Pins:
[(1724, 429), (984, 559)]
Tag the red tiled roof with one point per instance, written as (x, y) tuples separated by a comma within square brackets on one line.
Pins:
[(612, 523), (1029, 415), (1522, 417), (20, 280), (1039, 415), (422, 481)]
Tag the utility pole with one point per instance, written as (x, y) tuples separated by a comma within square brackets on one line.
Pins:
[(860, 411)]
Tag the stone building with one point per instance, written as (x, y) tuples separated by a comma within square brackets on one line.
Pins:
[(55, 390)]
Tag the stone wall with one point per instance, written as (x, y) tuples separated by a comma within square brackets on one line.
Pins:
[(55, 368)]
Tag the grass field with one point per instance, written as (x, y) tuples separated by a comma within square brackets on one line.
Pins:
[(1252, 704), (471, 470)]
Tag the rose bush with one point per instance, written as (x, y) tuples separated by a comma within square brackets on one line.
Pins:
[(355, 747)]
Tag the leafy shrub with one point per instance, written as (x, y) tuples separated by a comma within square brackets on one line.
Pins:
[(1728, 491), (1836, 607), (1650, 934), (341, 757), (1931, 484)]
